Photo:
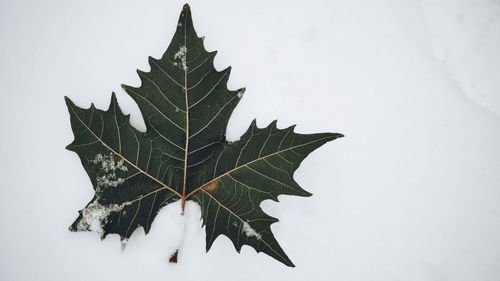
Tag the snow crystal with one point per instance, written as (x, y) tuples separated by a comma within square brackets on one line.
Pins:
[(250, 232), (95, 216), (108, 166), (240, 94), (108, 163), (181, 55), (109, 180)]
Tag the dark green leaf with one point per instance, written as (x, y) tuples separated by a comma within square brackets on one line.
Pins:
[(184, 155)]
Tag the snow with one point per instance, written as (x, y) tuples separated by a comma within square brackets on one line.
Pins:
[(250, 232), (108, 163), (241, 93), (464, 36), (411, 193), (95, 216), (181, 56), (108, 166)]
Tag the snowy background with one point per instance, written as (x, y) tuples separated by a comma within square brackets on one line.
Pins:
[(411, 193)]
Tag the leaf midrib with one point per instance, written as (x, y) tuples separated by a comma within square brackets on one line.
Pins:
[(186, 148)]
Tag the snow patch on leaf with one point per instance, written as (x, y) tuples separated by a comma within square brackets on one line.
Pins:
[(241, 93), (95, 216), (108, 163), (108, 167), (250, 232), (109, 180), (181, 56)]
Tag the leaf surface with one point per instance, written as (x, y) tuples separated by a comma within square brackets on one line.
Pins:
[(184, 155)]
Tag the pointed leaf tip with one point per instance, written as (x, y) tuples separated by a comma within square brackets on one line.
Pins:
[(336, 135), (68, 101), (185, 16), (113, 101)]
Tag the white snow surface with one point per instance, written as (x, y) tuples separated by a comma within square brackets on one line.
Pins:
[(411, 193)]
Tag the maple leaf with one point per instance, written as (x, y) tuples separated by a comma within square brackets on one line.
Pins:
[(184, 155)]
